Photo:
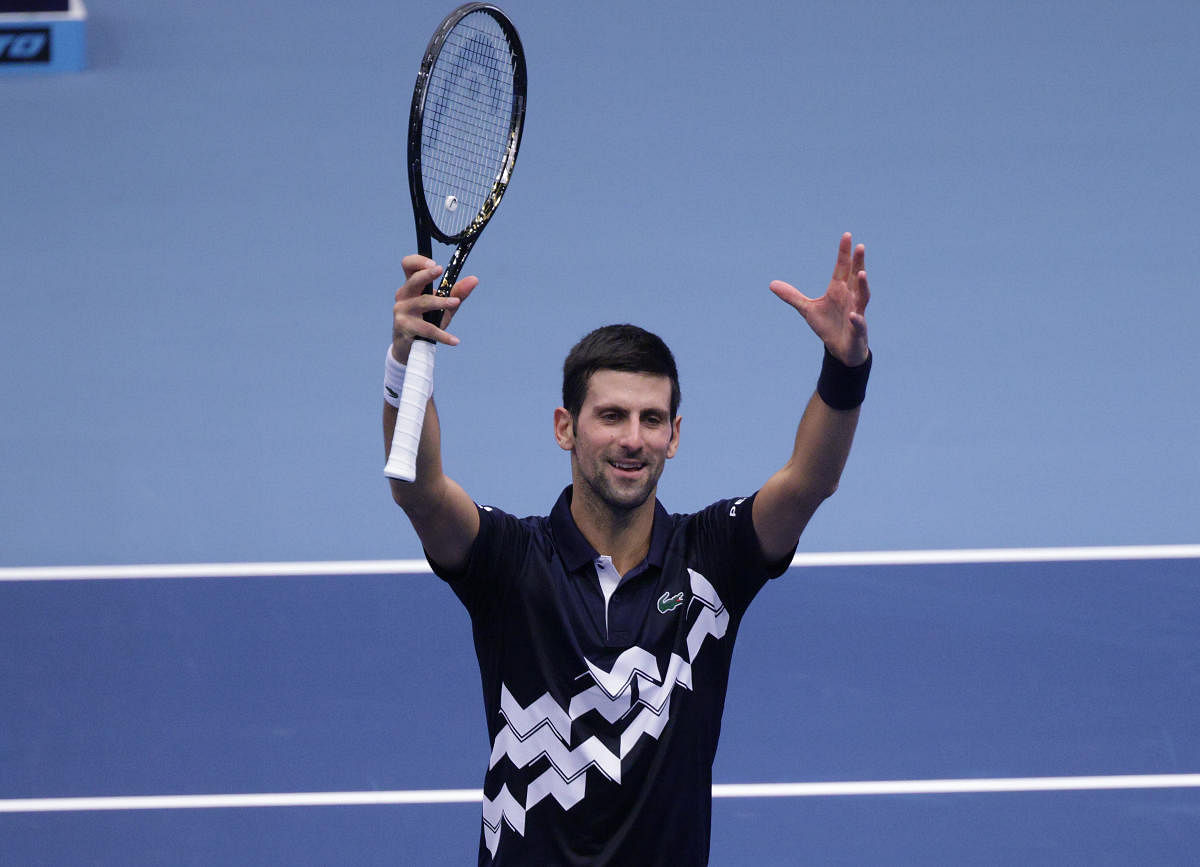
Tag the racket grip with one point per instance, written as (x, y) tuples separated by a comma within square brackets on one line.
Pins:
[(410, 415)]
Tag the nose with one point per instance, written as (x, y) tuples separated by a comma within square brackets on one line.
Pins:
[(631, 436)]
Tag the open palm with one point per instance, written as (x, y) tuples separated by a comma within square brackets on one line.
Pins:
[(837, 317)]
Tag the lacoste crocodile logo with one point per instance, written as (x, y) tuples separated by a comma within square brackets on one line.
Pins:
[(668, 603)]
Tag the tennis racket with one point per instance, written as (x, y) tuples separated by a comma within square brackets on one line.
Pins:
[(468, 108)]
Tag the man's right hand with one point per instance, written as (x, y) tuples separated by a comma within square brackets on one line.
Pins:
[(442, 513), (408, 313)]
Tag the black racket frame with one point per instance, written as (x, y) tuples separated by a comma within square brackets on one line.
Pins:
[(427, 229)]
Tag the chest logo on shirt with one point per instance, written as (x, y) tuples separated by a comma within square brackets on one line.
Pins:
[(668, 603)]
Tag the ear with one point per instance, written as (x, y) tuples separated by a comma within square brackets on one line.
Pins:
[(673, 445), (564, 429)]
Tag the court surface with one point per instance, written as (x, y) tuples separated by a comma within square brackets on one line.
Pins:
[(937, 707)]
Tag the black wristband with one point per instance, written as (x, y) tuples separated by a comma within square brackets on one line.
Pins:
[(843, 387)]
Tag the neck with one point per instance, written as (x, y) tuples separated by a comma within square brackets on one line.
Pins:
[(624, 535)]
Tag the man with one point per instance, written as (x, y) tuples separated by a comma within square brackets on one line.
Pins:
[(604, 630)]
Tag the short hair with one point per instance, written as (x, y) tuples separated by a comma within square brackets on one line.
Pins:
[(625, 348)]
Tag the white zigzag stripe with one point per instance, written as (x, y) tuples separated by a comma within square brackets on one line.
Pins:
[(504, 807), (550, 783), (595, 698), (543, 728), (656, 698), (569, 763), (713, 621), (648, 722), (655, 695), (632, 662), (543, 711), (702, 589)]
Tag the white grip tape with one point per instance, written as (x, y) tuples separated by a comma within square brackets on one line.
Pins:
[(410, 415)]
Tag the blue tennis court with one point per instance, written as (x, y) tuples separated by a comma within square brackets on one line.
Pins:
[(1073, 682)]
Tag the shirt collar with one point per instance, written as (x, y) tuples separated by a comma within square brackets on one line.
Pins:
[(577, 552)]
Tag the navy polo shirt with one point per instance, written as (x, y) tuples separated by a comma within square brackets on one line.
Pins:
[(604, 719)]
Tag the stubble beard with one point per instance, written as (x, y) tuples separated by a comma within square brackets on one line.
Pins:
[(619, 499)]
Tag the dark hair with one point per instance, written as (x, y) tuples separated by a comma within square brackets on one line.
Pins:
[(616, 347)]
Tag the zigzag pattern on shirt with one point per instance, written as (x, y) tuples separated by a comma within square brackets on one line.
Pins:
[(505, 807), (612, 708), (543, 729), (712, 622), (570, 763)]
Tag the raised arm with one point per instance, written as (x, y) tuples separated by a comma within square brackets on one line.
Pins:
[(442, 513), (787, 501)]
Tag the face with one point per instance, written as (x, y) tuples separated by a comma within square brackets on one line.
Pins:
[(622, 438)]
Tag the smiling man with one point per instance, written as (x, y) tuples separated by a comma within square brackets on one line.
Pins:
[(604, 630)]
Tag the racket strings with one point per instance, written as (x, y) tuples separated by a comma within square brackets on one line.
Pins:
[(467, 122)]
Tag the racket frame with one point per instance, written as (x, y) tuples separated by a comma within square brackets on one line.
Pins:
[(418, 383), (427, 228)]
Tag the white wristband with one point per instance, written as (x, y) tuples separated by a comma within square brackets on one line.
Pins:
[(393, 379)]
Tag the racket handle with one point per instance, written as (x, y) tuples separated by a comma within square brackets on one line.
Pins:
[(410, 415)]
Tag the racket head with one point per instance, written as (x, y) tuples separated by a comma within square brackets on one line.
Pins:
[(468, 111)]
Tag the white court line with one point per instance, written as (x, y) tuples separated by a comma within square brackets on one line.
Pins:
[(968, 786), (720, 790), (420, 567), (215, 570), (999, 555)]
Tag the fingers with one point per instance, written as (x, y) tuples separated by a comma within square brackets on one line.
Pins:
[(858, 347), (412, 302), (858, 324), (864, 289), (420, 272), (837, 317), (423, 304), (841, 267), (408, 318), (464, 287), (414, 263), (789, 294), (851, 260)]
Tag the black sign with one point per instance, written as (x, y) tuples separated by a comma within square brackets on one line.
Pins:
[(34, 5), (24, 45)]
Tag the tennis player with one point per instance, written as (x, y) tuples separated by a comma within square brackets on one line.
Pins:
[(604, 630)]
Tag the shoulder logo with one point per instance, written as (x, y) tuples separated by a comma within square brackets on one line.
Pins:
[(733, 508), (668, 603)]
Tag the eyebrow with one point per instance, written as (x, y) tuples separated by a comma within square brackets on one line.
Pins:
[(624, 410)]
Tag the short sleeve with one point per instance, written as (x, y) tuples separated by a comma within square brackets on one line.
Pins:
[(497, 556), (726, 545)]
